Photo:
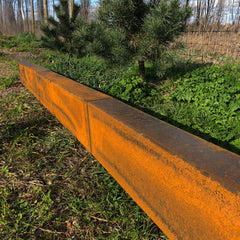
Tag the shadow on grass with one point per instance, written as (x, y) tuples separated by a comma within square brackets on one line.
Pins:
[(173, 72), (14, 130)]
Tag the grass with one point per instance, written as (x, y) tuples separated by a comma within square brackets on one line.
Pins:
[(50, 186)]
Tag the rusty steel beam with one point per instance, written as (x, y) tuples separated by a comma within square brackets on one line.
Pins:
[(188, 186)]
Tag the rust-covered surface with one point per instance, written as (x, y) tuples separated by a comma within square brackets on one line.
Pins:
[(66, 99), (187, 185)]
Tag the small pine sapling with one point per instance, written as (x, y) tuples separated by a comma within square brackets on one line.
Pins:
[(58, 34), (146, 28)]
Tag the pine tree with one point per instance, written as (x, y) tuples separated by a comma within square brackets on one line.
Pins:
[(95, 39), (58, 34), (146, 27)]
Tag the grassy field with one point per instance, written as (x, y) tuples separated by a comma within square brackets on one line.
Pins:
[(50, 186)]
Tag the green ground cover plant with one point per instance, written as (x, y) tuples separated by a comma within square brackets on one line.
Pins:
[(90, 70), (208, 100), (135, 92)]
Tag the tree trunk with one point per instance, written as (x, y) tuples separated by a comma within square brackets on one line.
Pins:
[(19, 17), (53, 4), (70, 8), (1, 18), (199, 12), (27, 20), (238, 13), (220, 9), (141, 66), (33, 17), (85, 9), (11, 24), (24, 16), (40, 11), (45, 7)]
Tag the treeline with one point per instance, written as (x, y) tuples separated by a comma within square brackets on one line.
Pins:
[(215, 14), (18, 16)]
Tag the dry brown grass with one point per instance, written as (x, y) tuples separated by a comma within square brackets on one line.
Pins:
[(209, 44)]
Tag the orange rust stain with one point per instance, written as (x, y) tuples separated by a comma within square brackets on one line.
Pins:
[(64, 98), (189, 187)]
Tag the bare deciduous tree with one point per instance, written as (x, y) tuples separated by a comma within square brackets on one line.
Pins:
[(70, 7), (20, 26), (9, 15), (199, 12), (45, 7), (33, 17), (1, 18), (40, 11), (85, 9), (27, 19), (219, 12), (209, 7)]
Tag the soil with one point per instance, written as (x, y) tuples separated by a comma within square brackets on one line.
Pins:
[(4, 70), (14, 89)]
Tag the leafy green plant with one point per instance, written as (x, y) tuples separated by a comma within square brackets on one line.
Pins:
[(134, 91), (7, 82), (207, 99)]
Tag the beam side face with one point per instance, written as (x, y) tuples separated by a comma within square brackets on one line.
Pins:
[(64, 98), (213, 161), (185, 203)]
